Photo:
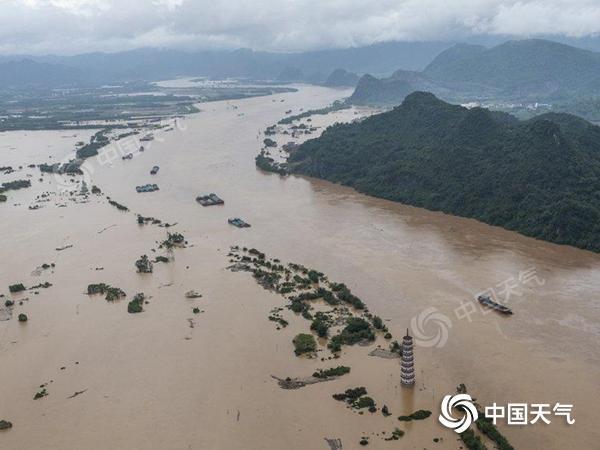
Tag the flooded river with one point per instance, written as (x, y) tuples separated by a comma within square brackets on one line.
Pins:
[(171, 379)]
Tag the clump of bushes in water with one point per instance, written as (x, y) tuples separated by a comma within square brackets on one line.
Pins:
[(350, 395), (97, 141), (471, 441), (396, 434), (269, 142), (144, 265), (268, 280), (378, 323), (40, 394), (22, 317), (142, 220), (345, 295), (173, 240), (304, 343), (314, 276), (356, 330), (112, 293), (298, 306), (487, 427), (3, 198), (320, 324), (395, 347), (333, 372), (162, 259), (268, 164), (357, 398), (14, 185), (17, 287), (280, 320), (421, 414), (365, 402), (117, 205), (136, 305)]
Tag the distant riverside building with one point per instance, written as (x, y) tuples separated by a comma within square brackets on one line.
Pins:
[(407, 374)]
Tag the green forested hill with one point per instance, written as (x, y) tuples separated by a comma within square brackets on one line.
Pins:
[(537, 66), (389, 91), (540, 177), (341, 78), (516, 72)]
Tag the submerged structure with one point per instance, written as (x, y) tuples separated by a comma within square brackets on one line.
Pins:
[(237, 222), (209, 200), (407, 374), (147, 188)]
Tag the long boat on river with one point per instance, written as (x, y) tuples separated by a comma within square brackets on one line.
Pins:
[(489, 303)]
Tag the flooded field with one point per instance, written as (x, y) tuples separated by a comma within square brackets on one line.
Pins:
[(170, 378)]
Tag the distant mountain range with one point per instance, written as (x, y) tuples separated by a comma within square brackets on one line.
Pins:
[(517, 71), (154, 64), (539, 177), (341, 78), (30, 73)]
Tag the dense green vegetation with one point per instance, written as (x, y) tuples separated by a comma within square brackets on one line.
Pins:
[(357, 398), (373, 91), (136, 305), (356, 330), (540, 177), (17, 287), (117, 205), (487, 427), (472, 441), (14, 185), (332, 372), (268, 164), (421, 414), (112, 293), (304, 343), (351, 395), (531, 67), (97, 141)]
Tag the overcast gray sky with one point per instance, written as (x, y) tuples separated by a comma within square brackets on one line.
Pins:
[(75, 26)]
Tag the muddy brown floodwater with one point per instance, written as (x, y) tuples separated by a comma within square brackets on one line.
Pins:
[(151, 381)]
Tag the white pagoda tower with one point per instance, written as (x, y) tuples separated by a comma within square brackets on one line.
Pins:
[(407, 374)]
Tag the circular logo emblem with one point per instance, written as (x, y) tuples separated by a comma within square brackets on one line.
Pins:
[(463, 403)]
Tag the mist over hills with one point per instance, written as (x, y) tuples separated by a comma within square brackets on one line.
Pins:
[(153, 64), (528, 70)]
